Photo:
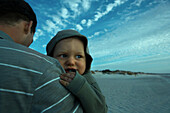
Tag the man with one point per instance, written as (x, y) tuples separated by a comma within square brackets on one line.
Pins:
[(29, 81)]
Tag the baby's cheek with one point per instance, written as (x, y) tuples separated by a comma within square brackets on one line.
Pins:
[(82, 70), (61, 63)]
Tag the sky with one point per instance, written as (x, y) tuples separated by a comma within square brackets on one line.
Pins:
[(131, 35)]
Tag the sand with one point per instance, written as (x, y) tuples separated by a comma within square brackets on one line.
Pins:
[(140, 94)]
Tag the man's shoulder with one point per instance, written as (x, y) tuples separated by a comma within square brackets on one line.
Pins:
[(25, 55)]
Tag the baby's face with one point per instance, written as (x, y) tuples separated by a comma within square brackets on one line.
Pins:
[(70, 53)]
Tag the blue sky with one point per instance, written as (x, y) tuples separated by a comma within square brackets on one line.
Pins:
[(131, 35)]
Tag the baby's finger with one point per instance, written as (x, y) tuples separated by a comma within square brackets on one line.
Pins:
[(66, 78), (71, 75), (64, 83)]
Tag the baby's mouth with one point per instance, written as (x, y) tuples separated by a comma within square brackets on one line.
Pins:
[(70, 70)]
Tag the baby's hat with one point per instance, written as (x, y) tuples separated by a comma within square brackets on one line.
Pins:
[(67, 34)]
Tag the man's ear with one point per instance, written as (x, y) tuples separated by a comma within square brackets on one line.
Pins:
[(27, 27)]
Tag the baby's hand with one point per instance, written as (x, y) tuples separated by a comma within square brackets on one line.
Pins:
[(66, 78)]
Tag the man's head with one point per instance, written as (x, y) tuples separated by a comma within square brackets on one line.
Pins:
[(13, 12)]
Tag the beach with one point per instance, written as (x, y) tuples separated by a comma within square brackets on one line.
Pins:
[(135, 94)]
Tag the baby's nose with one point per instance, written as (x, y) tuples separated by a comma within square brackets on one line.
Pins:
[(71, 61)]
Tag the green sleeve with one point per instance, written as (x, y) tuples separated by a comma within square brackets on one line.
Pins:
[(87, 90)]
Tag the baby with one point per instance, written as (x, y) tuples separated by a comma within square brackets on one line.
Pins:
[(69, 47)]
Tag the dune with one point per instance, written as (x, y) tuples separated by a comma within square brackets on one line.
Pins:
[(135, 94)]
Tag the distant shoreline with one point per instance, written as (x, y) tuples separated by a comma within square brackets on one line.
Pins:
[(107, 71)]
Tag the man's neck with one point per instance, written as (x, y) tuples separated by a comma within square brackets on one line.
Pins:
[(12, 31)]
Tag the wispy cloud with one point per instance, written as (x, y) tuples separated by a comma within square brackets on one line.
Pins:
[(100, 13), (109, 8), (64, 13), (78, 6), (79, 27), (89, 23), (38, 33), (96, 34), (86, 4), (58, 21), (115, 41), (137, 2), (50, 27), (140, 41), (83, 22)]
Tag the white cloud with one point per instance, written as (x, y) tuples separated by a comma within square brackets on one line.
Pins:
[(109, 8), (89, 23), (83, 21), (98, 16), (96, 33), (78, 6), (79, 27), (38, 33), (137, 2), (64, 13), (142, 42), (35, 38), (74, 6), (117, 2), (51, 27), (57, 20), (44, 46), (105, 30), (86, 4), (91, 36)]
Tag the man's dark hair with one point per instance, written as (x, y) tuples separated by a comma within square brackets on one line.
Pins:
[(12, 11)]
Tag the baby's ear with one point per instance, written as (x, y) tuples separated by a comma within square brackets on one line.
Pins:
[(27, 27)]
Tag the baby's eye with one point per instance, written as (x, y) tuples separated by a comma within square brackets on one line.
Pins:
[(63, 55), (79, 56)]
